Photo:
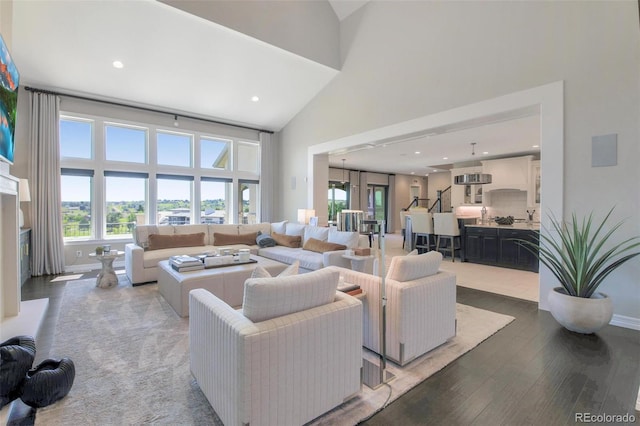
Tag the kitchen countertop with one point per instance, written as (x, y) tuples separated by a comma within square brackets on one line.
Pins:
[(518, 225)]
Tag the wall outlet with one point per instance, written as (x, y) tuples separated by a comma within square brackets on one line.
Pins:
[(79, 253)]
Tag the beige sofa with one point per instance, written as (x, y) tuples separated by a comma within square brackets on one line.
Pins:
[(141, 262), (421, 306), (291, 354)]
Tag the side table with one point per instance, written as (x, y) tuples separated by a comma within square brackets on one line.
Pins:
[(107, 277), (360, 263)]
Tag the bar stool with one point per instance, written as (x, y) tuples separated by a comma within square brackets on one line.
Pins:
[(422, 226), (446, 225)]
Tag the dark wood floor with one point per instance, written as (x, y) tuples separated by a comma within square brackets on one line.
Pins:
[(532, 372)]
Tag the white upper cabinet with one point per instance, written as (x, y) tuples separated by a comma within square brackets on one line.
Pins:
[(509, 173)]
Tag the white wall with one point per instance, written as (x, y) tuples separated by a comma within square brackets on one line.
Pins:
[(439, 182), (405, 60)]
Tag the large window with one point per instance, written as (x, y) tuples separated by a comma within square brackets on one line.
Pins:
[(77, 217), (126, 201), (116, 175)]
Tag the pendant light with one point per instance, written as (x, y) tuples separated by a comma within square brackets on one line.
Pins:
[(472, 178)]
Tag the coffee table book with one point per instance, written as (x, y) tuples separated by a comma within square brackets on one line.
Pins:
[(188, 267)]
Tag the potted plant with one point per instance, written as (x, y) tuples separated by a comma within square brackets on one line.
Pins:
[(578, 258)]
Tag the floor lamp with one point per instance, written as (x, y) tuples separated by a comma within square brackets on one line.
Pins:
[(376, 375)]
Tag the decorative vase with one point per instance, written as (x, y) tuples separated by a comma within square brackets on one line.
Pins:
[(17, 355), (49, 382), (580, 314)]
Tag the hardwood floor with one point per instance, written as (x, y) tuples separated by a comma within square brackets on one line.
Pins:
[(531, 372)]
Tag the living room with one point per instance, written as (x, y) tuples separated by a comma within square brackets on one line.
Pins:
[(393, 69)]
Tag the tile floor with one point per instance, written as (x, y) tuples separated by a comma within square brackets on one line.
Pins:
[(504, 281)]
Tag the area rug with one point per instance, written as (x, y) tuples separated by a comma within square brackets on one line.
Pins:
[(131, 355)]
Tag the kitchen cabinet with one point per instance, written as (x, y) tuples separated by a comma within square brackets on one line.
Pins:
[(508, 173), (497, 246), (464, 195), (481, 245)]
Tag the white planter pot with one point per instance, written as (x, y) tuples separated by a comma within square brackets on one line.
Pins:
[(579, 314)]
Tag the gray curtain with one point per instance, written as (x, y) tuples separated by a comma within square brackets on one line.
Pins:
[(267, 176), (44, 176)]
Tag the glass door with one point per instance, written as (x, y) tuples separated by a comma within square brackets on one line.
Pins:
[(377, 202)]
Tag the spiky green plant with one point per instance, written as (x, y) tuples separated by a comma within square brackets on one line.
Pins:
[(578, 257)]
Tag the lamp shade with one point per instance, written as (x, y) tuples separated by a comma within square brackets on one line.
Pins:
[(304, 215), (24, 193)]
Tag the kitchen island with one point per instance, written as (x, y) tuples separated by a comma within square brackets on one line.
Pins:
[(496, 245)]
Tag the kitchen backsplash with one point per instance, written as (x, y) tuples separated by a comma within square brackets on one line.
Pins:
[(503, 203)]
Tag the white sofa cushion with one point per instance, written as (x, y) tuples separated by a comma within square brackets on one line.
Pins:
[(266, 298), (408, 268), (295, 229), (317, 232), (279, 227), (309, 260), (264, 227), (349, 239)]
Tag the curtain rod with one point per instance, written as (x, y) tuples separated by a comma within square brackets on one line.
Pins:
[(84, 98)]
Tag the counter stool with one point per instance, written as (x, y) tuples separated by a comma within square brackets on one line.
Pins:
[(422, 226), (446, 225)]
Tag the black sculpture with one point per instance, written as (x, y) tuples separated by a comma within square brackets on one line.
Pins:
[(49, 382), (16, 358)]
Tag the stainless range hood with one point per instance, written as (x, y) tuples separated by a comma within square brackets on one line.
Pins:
[(472, 179)]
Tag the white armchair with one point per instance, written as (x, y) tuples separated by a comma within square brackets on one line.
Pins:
[(421, 306), (293, 362)]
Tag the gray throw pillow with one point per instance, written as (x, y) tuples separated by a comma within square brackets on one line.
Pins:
[(265, 240)]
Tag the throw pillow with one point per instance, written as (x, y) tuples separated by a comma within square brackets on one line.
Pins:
[(230, 239), (266, 298), (414, 252), (159, 241), (287, 240), (295, 229), (409, 268), (292, 269), (265, 240), (322, 246)]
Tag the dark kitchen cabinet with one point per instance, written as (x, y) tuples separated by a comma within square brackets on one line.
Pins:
[(481, 245), (499, 247)]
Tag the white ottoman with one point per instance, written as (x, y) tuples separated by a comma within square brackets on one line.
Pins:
[(226, 283)]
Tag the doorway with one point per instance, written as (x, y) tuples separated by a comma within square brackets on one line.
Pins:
[(377, 202)]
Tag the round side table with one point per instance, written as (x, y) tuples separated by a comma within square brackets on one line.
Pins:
[(107, 277)]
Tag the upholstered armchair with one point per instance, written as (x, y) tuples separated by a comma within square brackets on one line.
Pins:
[(421, 306), (292, 353)]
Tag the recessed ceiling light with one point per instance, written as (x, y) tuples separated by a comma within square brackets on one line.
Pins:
[(435, 170), (445, 158), (485, 153), (417, 152), (413, 173), (255, 99), (535, 146), (118, 64)]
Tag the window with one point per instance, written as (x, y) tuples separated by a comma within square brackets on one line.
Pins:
[(248, 157), (338, 199), (174, 149), (215, 154), (76, 138), (174, 199), (125, 195), (248, 201), (120, 174), (125, 144), (77, 217), (214, 204)]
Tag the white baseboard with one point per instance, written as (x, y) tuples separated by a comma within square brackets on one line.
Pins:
[(626, 322)]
